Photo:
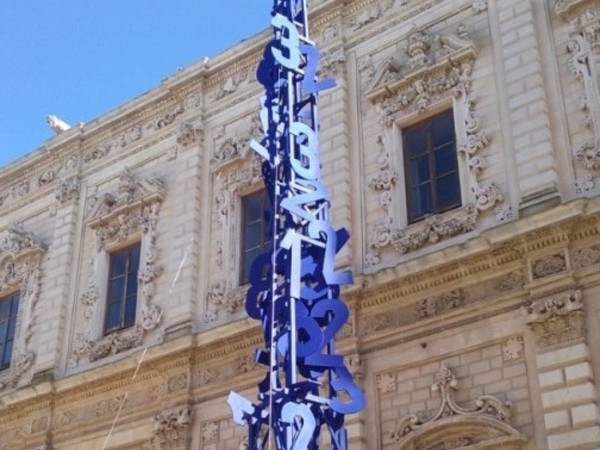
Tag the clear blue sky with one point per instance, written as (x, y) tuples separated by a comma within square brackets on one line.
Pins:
[(79, 59)]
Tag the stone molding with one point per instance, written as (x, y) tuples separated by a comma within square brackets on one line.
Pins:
[(171, 428), (117, 217), (20, 270), (432, 67), (486, 421), (557, 318)]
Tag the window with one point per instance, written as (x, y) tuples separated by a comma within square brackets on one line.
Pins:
[(122, 288), (9, 307), (255, 235), (432, 181)]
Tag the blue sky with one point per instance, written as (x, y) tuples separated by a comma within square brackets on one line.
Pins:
[(79, 59)]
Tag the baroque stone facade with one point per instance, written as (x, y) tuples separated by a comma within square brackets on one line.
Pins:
[(476, 327)]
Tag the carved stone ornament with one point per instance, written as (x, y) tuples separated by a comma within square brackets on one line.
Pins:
[(210, 431), (486, 421), (386, 382), (586, 257), (126, 138), (20, 270), (512, 348), (171, 427), (227, 149), (439, 304), (429, 231), (68, 189), (556, 319), (189, 133), (548, 265), (132, 208), (433, 67), (224, 298), (584, 63)]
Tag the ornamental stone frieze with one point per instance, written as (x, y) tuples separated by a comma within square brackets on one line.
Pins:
[(557, 318), (171, 429), (132, 209), (431, 68), (584, 63), (222, 297), (227, 146), (68, 189), (486, 425), (20, 270)]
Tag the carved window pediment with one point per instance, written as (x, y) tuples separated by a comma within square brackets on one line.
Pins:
[(20, 271), (431, 65)]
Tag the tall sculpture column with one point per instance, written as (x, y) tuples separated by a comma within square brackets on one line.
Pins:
[(295, 288)]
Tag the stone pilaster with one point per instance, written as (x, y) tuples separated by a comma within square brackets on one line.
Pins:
[(568, 392), (527, 107)]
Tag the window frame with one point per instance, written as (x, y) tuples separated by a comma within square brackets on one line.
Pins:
[(12, 318), (264, 244), (110, 253), (427, 122)]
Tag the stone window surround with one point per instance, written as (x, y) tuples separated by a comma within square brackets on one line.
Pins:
[(429, 81), (120, 219), (20, 271)]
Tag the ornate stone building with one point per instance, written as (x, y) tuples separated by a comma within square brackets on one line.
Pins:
[(461, 148)]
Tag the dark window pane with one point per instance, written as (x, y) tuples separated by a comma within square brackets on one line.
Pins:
[(253, 235), (114, 316), (448, 194), (12, 324), (415, 141), (445, 160), (2, 364), (5, 309), (419, 170), (134, 259), (3, 327), (252, 208), (130, 305), (116, 291), (7, 354), (132, 284), (118, 263), (442, 130), (421, 201)]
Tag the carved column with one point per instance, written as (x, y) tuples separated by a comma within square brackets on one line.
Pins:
[(569, 397)]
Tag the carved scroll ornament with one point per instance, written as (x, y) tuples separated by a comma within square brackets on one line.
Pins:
[(20, 270), (451, 423)]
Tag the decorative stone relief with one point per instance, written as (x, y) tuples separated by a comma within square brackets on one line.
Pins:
[(586, 257), (480, 6), (222, 297), (210, 431), (227, 149), (512, 348), (431, 67), (204, 377), (20, 270), (510, 282), (230, 85), (486, 420), (68, 189), (583, 47), (549, 265), (370, 14), (177, 383), (126, 138), (165, 119), (189, 133), (386, 382), (132, 208), (109, 405), (440, 303), (20, 190), (556, 319), (171, 427), (332, 63)]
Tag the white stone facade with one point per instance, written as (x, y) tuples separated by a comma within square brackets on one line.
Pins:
[(476, 328)]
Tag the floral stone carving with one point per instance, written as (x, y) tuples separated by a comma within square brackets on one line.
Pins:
[(20, 270), (172, 427), (557, 319), (222, 297), (487, 420)]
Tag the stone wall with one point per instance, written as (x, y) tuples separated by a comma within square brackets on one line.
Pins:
[(477, 326)]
